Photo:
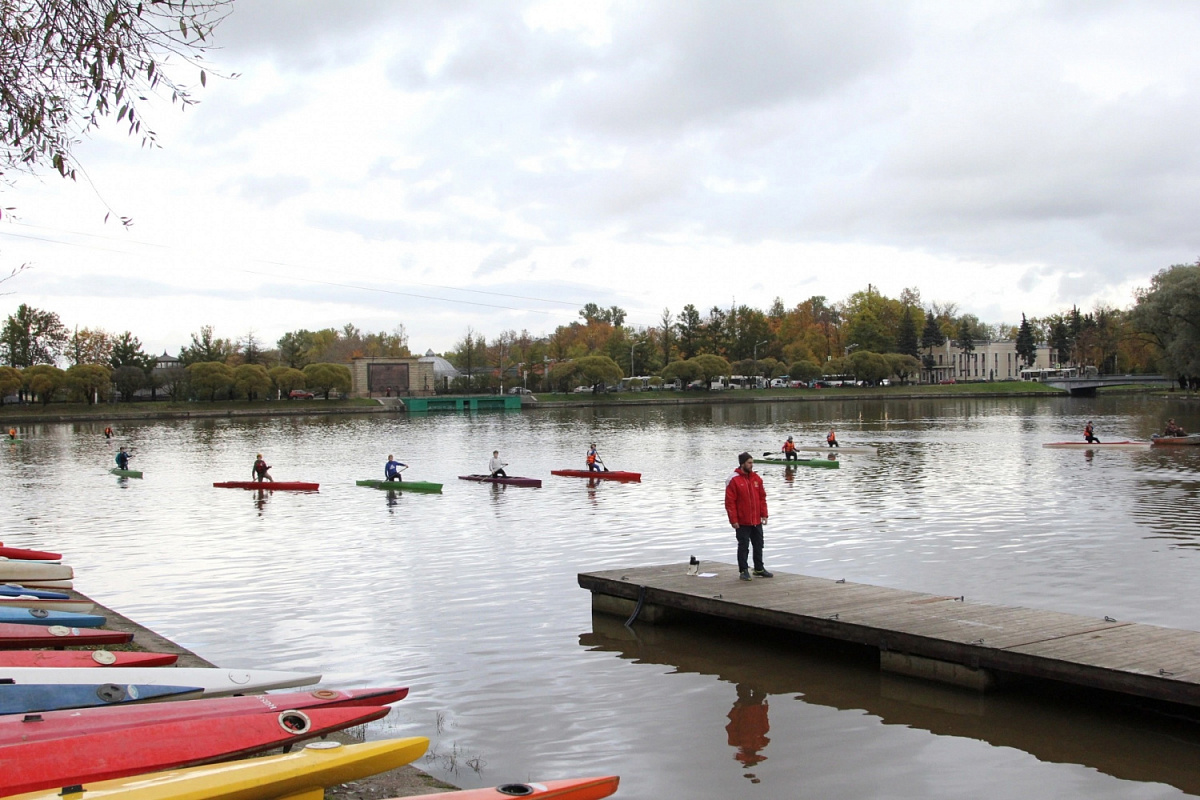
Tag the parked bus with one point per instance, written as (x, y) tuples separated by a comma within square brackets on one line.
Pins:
[(1040, 374)]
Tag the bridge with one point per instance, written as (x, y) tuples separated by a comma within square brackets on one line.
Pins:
[(1086, 386)]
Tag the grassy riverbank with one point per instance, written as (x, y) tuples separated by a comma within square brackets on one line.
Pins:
[(109, 412)]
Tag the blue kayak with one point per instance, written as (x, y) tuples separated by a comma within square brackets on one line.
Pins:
[(11, 590), (31, 698), (40, 616)]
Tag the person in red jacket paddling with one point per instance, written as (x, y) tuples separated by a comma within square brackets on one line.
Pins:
[(746, 506), (260, 471)]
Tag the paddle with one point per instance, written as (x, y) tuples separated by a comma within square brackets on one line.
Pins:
[(601, 460)]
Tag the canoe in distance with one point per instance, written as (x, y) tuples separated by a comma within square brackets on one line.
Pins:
[(1123, 445), (571, 789), (21, 637), (533, 483), (91, 757), (1175, 441), (403, 486), (83, 658), (270, 486), (126, 473), (611, 475), (801, 462), (841, 448)]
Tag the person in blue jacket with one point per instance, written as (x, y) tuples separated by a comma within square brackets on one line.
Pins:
[(123, 459), (391, 470)]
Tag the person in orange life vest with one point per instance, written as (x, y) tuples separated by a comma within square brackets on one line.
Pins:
[(12, 433), (593, 459), (108, 433), (789, 450), (746, 507), (832, 439), (260, 470), (1089, 434)]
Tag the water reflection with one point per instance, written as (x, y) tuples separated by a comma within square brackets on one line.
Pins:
[(1125, 743)]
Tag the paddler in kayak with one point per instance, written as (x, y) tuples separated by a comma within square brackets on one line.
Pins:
[(496, 466), (831, 439), (123, 459), (12, 433), (1089, 434), (108, 434), (789, 450), (392, 469), (261, 472), (1173, 430), (594, 462)]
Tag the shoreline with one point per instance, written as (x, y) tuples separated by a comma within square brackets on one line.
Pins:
[(404, 781), (328, 408)]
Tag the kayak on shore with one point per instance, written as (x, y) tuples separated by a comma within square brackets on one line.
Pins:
[(21, 637), (31, 697), (533, 483), (609, 475), (570, 789), (84, 658), (402, 486)]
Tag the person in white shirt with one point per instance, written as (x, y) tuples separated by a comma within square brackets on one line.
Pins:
[(496, 466)]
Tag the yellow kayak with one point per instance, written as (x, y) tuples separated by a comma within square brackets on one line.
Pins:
[(303, 775)]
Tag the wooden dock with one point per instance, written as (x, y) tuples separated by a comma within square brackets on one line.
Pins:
[(950, 639)]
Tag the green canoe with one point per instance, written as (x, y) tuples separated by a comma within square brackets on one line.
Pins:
[(802, 462), (126, 473), (403, 486)]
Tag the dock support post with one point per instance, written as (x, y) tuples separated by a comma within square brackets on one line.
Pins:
[(624, 607), (981, 680)]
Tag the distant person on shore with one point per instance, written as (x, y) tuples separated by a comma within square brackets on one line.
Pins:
[(594, 462), (831, 439), (261, 472), (108, 434), (746, 507), (123, 459), (1173, 430), (789, 450), (1089, 434), (391, 470), (496, 466)]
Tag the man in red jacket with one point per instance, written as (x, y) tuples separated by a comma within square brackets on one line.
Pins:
[(746, 505)]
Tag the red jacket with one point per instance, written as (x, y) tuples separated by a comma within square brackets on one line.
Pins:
[(745, 499)]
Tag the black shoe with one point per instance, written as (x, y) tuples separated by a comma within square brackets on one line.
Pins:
[(762, 573), (745, 575)]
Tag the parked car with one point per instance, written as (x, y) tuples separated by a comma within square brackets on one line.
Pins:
[(947, 382), (779, 383), (519, 390), (300, 394), (581, 389)]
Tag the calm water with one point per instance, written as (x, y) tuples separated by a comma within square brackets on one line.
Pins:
[(470, 597)]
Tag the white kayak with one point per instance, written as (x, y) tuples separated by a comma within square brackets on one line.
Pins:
[(1085, 446), (28, 571), (25, 601), (845, 448), (214, 682), (35, 584)]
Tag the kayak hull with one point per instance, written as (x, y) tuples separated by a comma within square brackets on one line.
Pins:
[(12, 590), (33, 697), (403, 486), (1123, 445), (126, 473), (611, 475), (302, 774), (83, 658), (801, 462), (533, 483), (213, 682), (47, 603), (270, 486), (41, 616), (1176, 441), (572, 789), (92, 757), (26, 571), (29, 555), (845, 448), (21, 637), (62, 724)]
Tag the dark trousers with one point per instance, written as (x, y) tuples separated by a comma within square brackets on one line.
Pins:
[(500, 473), (834, 443), (748, 535), (791, 456)]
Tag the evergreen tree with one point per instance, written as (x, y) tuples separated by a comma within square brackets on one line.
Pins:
[(932, 336), (1060, 340), (965, 342), (906, 336), (127, 352), (1026, 346)]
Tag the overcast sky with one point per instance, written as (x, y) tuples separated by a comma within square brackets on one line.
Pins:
[(448, 163)]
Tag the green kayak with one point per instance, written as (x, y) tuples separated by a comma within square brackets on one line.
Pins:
[(802, 462), (403, 486), (126, 473)]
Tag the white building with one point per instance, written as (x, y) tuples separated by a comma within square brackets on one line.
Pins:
[(990, 361)]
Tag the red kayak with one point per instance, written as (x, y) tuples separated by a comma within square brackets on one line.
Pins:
[(270, 486), (16, 636), (83, 658), (514, 481), (29, 555), (611, 475), (577, 789), (89, 757), (58, 724)]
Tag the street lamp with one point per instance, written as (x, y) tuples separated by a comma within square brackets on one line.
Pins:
[(631, 369), (756, 375)]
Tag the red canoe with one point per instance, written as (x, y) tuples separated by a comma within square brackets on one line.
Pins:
[(270, 486), (15, 636), (29, 555), (513, 481), (83, 658), (577, 789), (611, 475), (90, 757), (14, 729)]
